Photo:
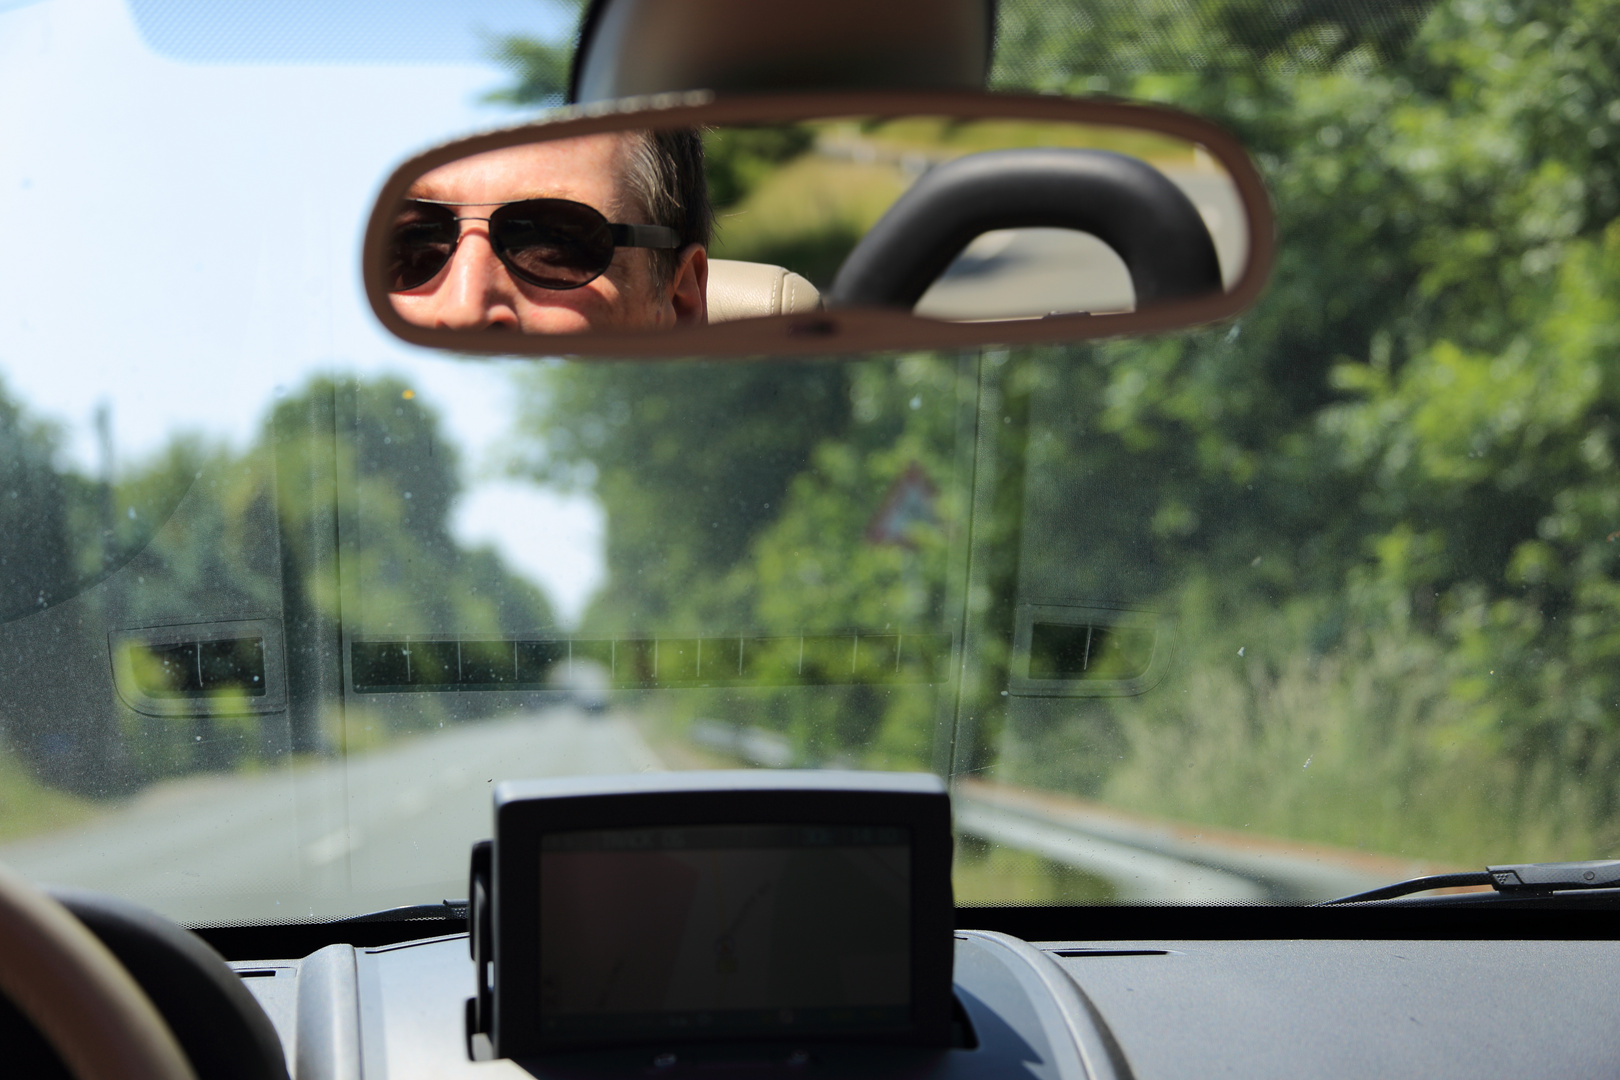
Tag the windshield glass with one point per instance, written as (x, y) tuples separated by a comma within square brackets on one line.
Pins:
[(1270, 611)]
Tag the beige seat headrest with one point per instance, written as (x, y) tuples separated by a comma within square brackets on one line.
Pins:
[(748, 290)]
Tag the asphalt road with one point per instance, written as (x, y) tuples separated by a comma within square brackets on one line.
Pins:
[(1027, 273), (393, 826), (383, 828)]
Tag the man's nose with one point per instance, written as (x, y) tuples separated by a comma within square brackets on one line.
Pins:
[(478, 294)]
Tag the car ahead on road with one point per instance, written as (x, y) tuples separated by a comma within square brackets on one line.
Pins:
[(588, 686), (1207, 603)]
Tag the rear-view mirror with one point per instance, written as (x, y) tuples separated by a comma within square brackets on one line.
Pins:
[(693, 224)]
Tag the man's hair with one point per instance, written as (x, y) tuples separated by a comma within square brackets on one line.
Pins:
[(665, 175)]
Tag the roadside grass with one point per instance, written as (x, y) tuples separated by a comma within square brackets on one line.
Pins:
[(942, 138), (357, 728), (1365, 745), (28, 807), (808, 214), (985, 873)]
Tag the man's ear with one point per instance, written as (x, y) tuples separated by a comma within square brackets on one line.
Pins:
[(689, 287)]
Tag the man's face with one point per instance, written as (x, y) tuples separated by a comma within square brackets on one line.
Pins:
[(475, 291)]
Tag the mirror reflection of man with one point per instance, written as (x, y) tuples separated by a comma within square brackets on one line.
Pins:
[(600, 232)]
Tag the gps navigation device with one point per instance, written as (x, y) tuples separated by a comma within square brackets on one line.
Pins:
[(743, 906)]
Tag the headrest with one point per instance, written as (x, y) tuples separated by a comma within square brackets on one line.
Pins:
[(748, 290)]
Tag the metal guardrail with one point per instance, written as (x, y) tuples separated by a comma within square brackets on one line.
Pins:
[(1167, 862), (1144, 861), (1137, 874)]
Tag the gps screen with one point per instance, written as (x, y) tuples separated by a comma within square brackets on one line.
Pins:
[(725, 930)]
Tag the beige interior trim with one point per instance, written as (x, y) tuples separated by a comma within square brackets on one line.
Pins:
[(77, 994), (748, 290)]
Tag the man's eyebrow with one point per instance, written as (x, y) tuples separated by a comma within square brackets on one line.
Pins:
[(422, 189), (430, 193)]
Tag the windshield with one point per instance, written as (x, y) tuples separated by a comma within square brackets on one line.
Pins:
[(1269, 611)]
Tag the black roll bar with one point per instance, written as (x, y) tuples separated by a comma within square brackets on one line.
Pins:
[(1126, 203)]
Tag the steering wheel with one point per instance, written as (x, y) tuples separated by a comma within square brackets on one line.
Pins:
[(77, 994)]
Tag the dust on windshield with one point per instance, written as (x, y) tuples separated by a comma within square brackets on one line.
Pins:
[(1270, 611)]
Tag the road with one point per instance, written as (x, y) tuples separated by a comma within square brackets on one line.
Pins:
[(1018, 273), (393, 826), (318, 839)]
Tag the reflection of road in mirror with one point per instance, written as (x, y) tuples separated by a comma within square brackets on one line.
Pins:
[(614, 233), (597, 233), (1031, 273), (1028, 273)]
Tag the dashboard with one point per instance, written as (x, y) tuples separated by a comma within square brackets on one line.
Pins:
[(711, 876), (1164, 1007)]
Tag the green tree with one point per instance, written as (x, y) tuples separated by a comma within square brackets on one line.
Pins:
[(1392, 477), (1380, 507), (540, 67), (348, 483), (394, 481), (37, 567), (690, 461), (822, 565)]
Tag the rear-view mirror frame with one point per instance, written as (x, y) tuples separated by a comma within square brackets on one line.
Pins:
[(840, 330)]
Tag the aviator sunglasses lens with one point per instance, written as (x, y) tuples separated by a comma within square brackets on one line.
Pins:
[(424, 239), (552, 243)]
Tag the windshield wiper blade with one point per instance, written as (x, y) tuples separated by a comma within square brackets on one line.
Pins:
[(447, 909), (1521, 879), (1556, 876), (1415, 885)]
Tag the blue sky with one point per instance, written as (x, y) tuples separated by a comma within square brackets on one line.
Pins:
[(183, 225), (350, 32)]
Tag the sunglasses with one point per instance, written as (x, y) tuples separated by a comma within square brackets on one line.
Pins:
[(552, 243)]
